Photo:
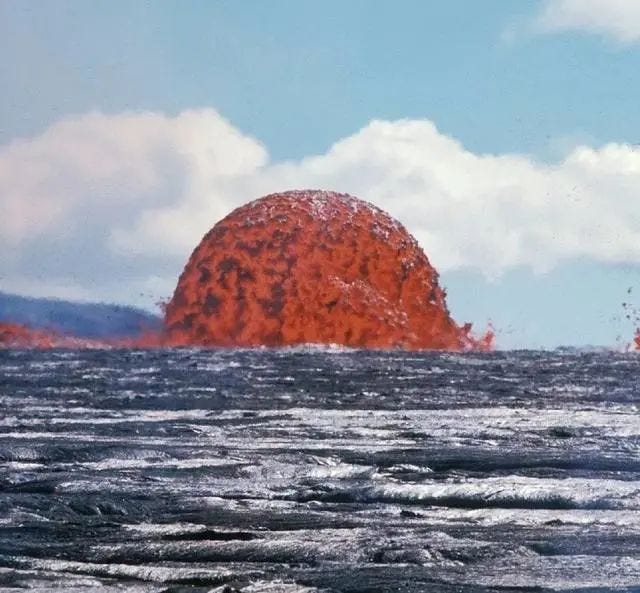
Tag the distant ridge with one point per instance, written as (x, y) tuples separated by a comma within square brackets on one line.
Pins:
[(84, 320)]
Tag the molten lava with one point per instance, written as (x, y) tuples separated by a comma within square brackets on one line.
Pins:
[(297, 267), (312, 267), (15, 335)]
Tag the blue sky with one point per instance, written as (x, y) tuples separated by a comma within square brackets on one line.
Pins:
[(528, 85)]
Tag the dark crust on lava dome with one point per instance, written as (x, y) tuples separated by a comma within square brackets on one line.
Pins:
[(310, 267)]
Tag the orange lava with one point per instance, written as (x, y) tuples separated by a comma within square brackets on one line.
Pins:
[(636, 340), (15, 335), (312, 267)]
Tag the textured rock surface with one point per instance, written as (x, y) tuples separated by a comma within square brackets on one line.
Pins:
[(310, 267)]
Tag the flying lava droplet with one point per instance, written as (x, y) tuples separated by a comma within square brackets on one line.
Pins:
[(632, 313), (312, 267)]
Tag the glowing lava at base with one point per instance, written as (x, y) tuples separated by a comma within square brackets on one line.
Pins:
[(312, 267), (636, 340), (15, 335)]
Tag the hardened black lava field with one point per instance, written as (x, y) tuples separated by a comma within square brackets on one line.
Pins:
[(309, 469)]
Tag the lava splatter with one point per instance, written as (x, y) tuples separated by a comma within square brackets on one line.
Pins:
[(312, 267), (631, 313), (292, 268)]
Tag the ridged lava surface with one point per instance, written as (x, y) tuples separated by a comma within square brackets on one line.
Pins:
[(310, 267)]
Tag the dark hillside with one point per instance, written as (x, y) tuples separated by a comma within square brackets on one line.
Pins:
[(87, 320)]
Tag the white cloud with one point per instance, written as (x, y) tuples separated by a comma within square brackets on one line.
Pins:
[(619, 19), (114, 204), (116, 166)]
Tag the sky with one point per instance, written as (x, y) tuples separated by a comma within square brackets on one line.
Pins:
[(504, 135)]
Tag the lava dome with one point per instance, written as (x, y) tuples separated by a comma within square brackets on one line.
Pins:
[(310, 267)]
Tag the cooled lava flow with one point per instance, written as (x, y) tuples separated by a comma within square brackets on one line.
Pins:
[(312, 267)]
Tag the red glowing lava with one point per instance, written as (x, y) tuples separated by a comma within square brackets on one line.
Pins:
[(636, 340), (15, 335), (291, 268), (312, 267)]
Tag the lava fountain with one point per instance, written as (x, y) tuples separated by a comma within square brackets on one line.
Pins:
[(311, 267)]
